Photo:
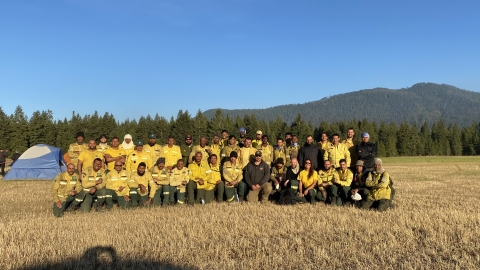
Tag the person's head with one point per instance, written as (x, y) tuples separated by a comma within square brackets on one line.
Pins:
[(198, 157), (115, 142), (180, 164), (233, 157), (258, 156), (188, 139), (152, 139), (161, 163), (324, 137), (139, 145), (279, 163), (232, 140), (248, 142), (308, 167), (80, 137), (203, 141), (377, 164), (258, 135), (70, 169), (242, 131), (350, 133), (280, 142), (216, 139), (343, 164), (309, 139), (224, 134), (170, 141), (294, 162), (213, 159), (288, 137), (365, 137), (327, 164), (118, 166), (141, 168), (359, 166), (264, 139), (127, 138), (335, 139), (92, 144), (103, 138), (97, 164), (294, 139)]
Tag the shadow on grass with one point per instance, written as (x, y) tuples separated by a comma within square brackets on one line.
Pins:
[(101, 257)]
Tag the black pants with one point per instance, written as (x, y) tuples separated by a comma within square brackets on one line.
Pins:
[(2, 166)]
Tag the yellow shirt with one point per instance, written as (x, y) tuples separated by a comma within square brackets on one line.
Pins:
[(136, 158), (73, 148), (64, 183), (171, 155), (127, 151), (202, 171), (89, 177), (307, 181), (203, 150), (115, 180), (351, 148), (154, 151), (88, 157), (244, 155), (225, 155), (103, 148), (162, 176), (379, 184), (232, 173), (345, 177), (114, 153), (146, 180), (215, 176), (216, 149), (327, 177), (178, 176), (267, 153), (336, 153)]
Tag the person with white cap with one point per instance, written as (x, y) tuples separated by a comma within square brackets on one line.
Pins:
[(378, 181), (366, 151), (258, 139), (127, 144)]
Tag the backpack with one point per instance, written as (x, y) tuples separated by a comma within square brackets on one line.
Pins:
[(287, 197)]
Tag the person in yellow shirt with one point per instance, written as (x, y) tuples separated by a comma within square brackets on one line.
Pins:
[(215, 147), (337, 151), (171, 153), (267, 151), (117, 187), (323, 144), (232, 146), (142, 186), (76, 148), (345, 177), (378, 180), (161, 178), (308, 178), (178, 182), (233, 175), (294, 148), (152, 148), (127, 144), (65, 188), (203, 148), (93, 184), (258, 139), (350, 144), (137, 157), (87, 157), (281, 151), (278, 177), (115, 153), (102, 145), (224, 140), (215, 184), (199, 179), (326, 187), (246, 154)]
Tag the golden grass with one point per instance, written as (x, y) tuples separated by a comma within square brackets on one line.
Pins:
[(435, 225)]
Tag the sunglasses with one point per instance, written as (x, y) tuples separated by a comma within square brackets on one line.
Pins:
[(118, 165), (308, 163)]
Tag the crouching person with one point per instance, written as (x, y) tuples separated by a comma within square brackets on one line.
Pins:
[(308, 181), (215, 183), (345, 177), (257, 174), (293, 171), (161, 178), (327, 176), (117, 187), (66, 187), (378, 181), (233, 175), (359, 191), (93, 183), (142, 186), (178, 182), (199, 178)]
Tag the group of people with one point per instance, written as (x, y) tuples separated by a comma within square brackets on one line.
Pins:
[(4, 154), (230, 168)]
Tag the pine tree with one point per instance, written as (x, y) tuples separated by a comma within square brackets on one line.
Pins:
[(18, 130)]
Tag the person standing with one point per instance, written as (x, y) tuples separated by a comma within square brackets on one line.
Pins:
[(310, 151), (152, 148), (171, 153), (232, 146), (293, 148), (87, 156), (3, 161), (337, 151), (202, 147), (137, 157), (366, 151), (281, 151), (76, 148), (267, 151), (246, 153), (323, 144), (215, 147), (258, 139), (102, 144), (115, 153), (242, 136), (127, 144), (186, 150), (350, 144), (257, 174), (233, 175), (65, 188)]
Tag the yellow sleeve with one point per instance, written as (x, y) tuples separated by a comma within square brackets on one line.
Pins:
[(78, 185), (208, 175), (369, 181), (192, 175), (86, 183), (152, 186), (335, 176), (55, 187), (346, 179), (325, 155), (384, 181), (347, 155)]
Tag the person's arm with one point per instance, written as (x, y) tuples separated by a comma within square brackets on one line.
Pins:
[(192, 176), (346, 179), (248, 177), (300, 157), (266, 174), (227, 170), (347, 155), (374, 151), (55, 187)]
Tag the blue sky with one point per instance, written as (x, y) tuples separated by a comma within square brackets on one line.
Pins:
[(134, 58)]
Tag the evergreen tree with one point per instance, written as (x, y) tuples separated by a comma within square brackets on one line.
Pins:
[(200, 125), (455, 139), (18, 130)]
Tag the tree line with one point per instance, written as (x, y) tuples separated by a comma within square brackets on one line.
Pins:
[(19, 132)]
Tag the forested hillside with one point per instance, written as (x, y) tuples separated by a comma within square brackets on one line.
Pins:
[(423, 102)]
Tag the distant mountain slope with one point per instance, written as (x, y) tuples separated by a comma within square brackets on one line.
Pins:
[(422, 102)]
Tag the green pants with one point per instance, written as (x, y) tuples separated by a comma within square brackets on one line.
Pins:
[(191, 187), (162, 191), (58, 212), (332, 193), (210, 194), (78, 199), (175, 191), (293, 185), (380, 205), (99, 196), (310, 197), (112, 197), (343, 195), (239, 188), (136, 199)]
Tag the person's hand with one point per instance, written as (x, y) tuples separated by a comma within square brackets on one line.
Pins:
[(59, 204), (285, 183), (120, 189), (233, 183), (73, 193), (305, 192), (300, 194), (92, 190), (324, 194), (275, 182), (258, 186), (99, 181), (200, 181), (142, 188), (353, 191), (148, 201), (218, 182), (184, 183), (155, 180), (324, 184), (126, 198)]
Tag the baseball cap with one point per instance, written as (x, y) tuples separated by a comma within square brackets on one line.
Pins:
[(152, 136), (139, 143), (365, 135), (259, 132), (258, 154), (161, 160), (242, 129)]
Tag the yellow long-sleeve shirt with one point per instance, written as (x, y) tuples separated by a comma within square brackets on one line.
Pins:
[(115, 180), (154, 151), (214, 177), (203, 150), (178, 176), (114, 153), (336, 153), (216, 149), (244, 155), (90, 176), (202, 171), (281, 153), (225, 155), (136, 158), (146, 180), (171, 155), (327, 176), (345, 177), (267, 153), (379, 185), (162, 176), (64, 183), (232, 172), (74, 151), (351, 148), (87, 157)]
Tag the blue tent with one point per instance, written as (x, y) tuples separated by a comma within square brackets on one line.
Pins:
[(39, 162)]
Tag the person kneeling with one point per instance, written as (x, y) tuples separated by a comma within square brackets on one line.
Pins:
[(308, 181), (379, 183), (257, 174), (117, 187), (140, 181), (65, 188)]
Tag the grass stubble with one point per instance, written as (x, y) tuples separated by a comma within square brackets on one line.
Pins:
[(435, 225)]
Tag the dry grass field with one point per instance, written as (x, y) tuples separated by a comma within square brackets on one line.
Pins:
[(435, 225)]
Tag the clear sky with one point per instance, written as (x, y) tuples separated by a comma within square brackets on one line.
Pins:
[(134, 58)]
